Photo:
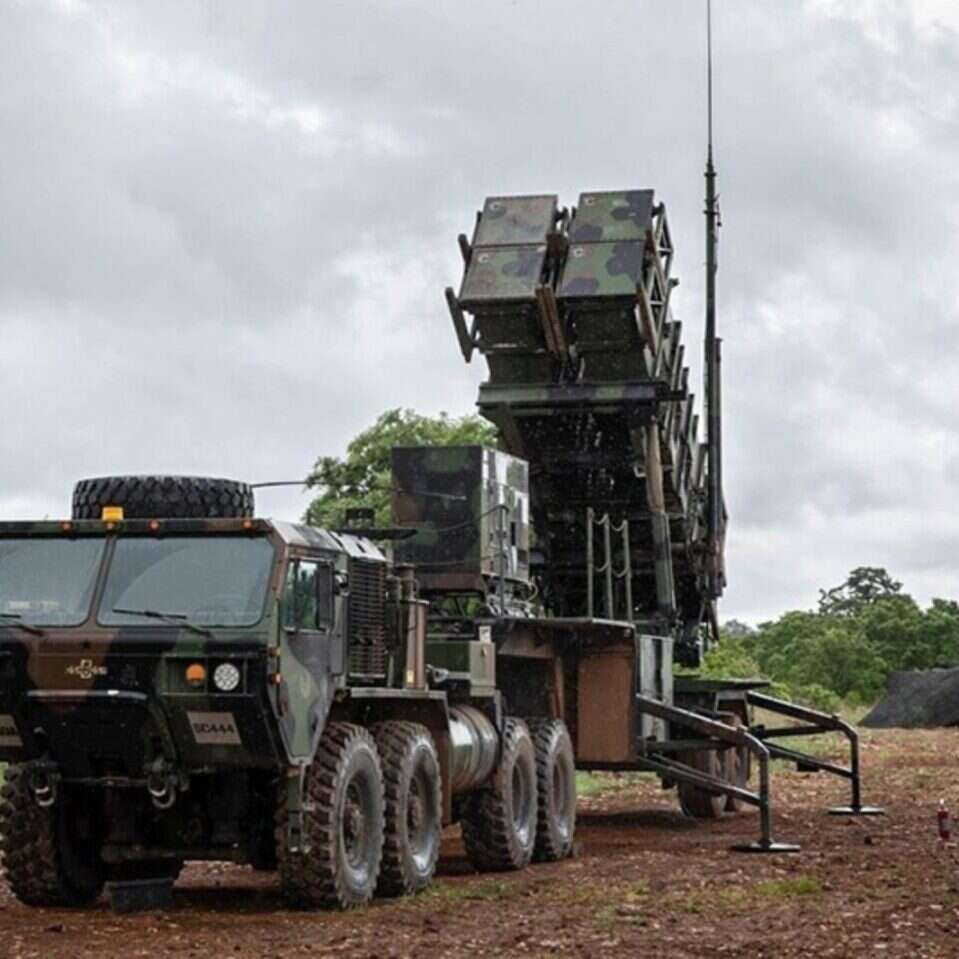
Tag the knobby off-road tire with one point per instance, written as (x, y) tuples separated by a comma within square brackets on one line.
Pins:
[(499, 821), (51, 855), (555, 789), (163, 497), (414, 811), (342, 822)]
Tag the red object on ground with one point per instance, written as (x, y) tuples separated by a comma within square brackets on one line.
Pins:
[(943, 817)]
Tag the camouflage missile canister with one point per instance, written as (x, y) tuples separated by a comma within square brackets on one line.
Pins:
[(507, 266)]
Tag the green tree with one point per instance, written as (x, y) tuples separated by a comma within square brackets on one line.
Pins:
[(775, 644), (730, 658), (941, 632), (818, 658), (895, 626), (363, 477), (910, 638), (840, 658), (863, 586)]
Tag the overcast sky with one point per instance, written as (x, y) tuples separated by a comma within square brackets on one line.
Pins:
[(225, 229)]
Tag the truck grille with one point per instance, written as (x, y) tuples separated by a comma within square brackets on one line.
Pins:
[(365, 625)]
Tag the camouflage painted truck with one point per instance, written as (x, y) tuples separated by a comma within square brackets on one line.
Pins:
[(181, 680)]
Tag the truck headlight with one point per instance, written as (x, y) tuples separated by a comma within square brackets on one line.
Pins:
[(226, 677)]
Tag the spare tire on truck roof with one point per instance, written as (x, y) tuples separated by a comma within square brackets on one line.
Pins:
[(163, 497)]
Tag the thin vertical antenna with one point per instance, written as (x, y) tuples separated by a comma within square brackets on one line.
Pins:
[(714, 503), (709, 75)]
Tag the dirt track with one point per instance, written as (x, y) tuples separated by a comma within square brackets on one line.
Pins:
[(646, 880)]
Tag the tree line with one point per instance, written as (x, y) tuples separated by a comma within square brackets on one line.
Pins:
[(862, 630)]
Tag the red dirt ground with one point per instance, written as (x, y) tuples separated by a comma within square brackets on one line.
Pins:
[(645, 881)]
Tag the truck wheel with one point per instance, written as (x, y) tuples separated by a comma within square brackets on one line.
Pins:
[(499, 821), (556, 789), (697, 802), (414, 818), (51, 855), (342, 823), (163, 497)]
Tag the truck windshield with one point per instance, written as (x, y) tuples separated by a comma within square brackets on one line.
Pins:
[(48, 582), (204, 580)]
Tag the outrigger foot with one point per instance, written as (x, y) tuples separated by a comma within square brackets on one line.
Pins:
[(857, 811), (765, 846)]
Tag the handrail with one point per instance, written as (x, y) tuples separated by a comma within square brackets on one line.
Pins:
[(734, 735)]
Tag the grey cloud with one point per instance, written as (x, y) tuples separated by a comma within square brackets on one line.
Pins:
[(227, 227)]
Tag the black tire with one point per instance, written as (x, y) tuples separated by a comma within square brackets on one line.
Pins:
[(414, 807), (51, 855), (555, 789), (499, 820), (695, 801), (163, 497), (342, 823)]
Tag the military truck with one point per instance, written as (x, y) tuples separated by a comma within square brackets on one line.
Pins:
[(182, 680)]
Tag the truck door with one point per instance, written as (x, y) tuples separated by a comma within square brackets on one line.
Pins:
[(311, 653)]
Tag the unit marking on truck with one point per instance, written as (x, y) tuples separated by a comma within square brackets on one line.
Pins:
[(214, 729)]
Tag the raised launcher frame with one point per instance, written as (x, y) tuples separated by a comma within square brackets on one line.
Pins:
[(587, 383)]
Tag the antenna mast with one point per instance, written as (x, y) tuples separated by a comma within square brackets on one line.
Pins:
[(715, 505)]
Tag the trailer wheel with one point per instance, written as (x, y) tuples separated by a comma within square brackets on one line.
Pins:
[(499, 821), (555, 788), (51, 855), (342, 824), (697, 802), (414, 818)]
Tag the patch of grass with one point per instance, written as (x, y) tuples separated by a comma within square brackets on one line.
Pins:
[(789, 888), (590, 784), (745, 898), (602, 783), (633, 891), (606, 919), (446, 895)]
